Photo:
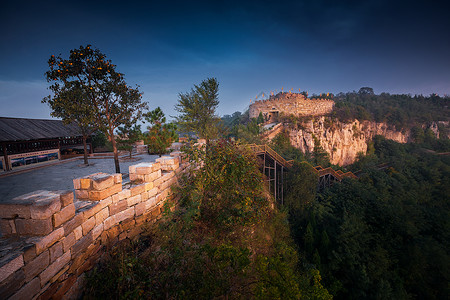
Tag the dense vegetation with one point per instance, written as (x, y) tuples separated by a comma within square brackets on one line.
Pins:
[(402, 111), (384, 236), (225, 240)]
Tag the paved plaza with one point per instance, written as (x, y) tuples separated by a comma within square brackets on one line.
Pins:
[(60, 176)]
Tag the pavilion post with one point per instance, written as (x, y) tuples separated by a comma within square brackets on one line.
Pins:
[(5, 154)]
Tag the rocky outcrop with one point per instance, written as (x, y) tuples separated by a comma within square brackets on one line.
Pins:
[(343, 141)]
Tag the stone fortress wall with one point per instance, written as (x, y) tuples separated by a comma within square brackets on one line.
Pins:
[(49, 238), (290, 103)]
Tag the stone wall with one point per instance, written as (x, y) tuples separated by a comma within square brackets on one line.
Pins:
[(291, 103), (51, 238)]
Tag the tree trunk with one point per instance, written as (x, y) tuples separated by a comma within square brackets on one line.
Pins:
[(85, 150), (116, 154)]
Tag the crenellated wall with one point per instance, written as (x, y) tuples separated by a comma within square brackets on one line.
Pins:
[(291, 103), (51, 238)]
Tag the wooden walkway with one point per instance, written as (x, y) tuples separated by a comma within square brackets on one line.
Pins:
[(274, 167)]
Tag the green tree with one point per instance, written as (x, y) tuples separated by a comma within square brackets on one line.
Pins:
[(160, 135), (260, 118), (70, 104), (102, 91), (127, 136), (197, 109)]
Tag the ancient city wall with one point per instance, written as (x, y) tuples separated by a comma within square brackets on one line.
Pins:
[(50, 238), (291, 103)]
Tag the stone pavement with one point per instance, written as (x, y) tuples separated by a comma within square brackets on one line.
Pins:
[(60, 176)]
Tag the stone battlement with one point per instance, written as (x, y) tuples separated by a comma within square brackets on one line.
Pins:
[(50, 238), (290, 103)]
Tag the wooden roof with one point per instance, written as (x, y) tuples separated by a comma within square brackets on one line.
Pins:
[(18, 129)]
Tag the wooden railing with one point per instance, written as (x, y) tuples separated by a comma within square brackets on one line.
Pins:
[(319, 170), (258, 149), (338, 174)]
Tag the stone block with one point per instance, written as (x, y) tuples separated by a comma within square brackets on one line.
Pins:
[(29, 252), (126, 225), (88, 225), (133, 177), (85, 183), (118, 207), (101, 216), (113, 233), (81, 245), (81, 205), (126, 193), (47, 241), (97, 231), (144, 196), (144, 168), (70, 225), (96, 207), (134, 200), (152, 176), (78, 232), (64, 215), (109, 222), (170, 167), (137, 189), (56, 251), (68, 241), (30, 227), (77, 183), (100, 195), (140, 208), (60, 274), (10, 211), (64, 287), (153, 192), (28, 291), (165, 160), (122, 236), (54, 268), (66, 198), (102, 181), (122, 216), (82, 194), (151, 202), (7, 227), (117, 178), (175, 153), (37, 265), (148, 186), (11, 284), (134, 232), (132, 169), (168, 183), (35, 205), (10, 264)]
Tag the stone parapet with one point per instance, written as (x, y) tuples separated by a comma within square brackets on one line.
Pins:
[(50, 238), (291, 103)]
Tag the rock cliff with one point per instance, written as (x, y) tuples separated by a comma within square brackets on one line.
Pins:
[(343, 141)]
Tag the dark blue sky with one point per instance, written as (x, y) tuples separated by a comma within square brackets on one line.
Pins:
[(250, 46)]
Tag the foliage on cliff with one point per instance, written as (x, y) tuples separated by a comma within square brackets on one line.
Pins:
[(225, 239), (386, 235), (402, 111)]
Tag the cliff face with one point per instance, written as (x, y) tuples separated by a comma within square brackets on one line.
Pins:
[(343, 141)]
